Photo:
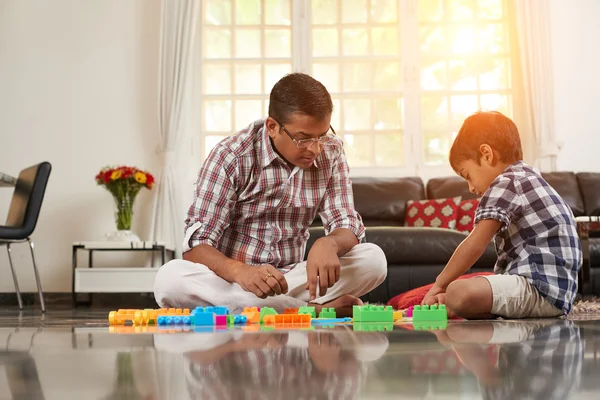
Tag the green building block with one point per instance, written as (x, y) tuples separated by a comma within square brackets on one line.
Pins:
[(327, 313), (230, 319), (371, 313), (308, 310), (266, 311), (430, 313), (372, 326), (430, 325)]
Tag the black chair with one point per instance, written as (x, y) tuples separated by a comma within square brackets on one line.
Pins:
[(23, 216)]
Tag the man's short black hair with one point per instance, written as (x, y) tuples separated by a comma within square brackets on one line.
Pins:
[(302, 94), (486, 127)]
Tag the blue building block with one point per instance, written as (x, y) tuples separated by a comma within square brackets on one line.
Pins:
[(328, 321), (240, 319), (204, 318)]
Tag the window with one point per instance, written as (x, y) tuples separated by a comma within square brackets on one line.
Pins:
[(403, 74)]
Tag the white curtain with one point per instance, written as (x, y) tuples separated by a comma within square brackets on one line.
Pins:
[(534, 38), (178, 23)]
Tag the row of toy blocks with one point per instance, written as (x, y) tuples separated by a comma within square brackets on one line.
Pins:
[(286, 319), (371, 313), (139, 317), (430, 313)]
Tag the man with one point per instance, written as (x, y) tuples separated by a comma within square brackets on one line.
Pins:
[(256, 196)]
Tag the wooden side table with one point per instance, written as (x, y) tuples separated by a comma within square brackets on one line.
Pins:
[(116, 280)]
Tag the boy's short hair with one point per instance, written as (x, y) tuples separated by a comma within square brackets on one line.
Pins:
[(486, 127)]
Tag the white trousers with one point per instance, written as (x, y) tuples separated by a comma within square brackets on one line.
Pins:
[(185, 284)]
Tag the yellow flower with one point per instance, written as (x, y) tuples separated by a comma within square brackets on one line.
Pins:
[(140, 177), (116, 174)]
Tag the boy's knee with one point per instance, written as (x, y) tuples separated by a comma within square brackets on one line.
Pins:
[(459, 297), (375, 261), (167, 283)]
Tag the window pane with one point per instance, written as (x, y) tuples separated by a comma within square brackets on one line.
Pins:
[(462, 74), (248, 79), (210, 142), (246, 112), (494, 74), (247, 12), (437, 148), (490, 9), (389, 150), (217, 12), (434, 112), (387, 76), (358, 150), (356, 76), (247, 43), (460, 10), (328, 74), (324, 12), (273, 73), (383, 11), (388, 114), (430, 10), (325, 42), (278, 43), (462, 39), (433, 75), (277, 12), (217, 79), (463, 106), (354, 42), (354, 11), (357, 114), (431, 39), (217, 43), (385, 41), (217, 115), (335, 117), (491, 39)]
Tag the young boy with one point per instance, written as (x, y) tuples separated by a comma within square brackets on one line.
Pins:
[(539, 252)]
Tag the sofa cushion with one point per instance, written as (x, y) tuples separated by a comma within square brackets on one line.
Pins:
[(589, 184), (423, 246), (438, 213), (384, 199), (466, 215), (450, 186), (567, 185)]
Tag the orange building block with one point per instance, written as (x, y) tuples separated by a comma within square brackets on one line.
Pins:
[(142, 317), (252, 314), (286, 319), (290, 310)]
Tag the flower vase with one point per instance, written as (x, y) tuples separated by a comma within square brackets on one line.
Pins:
[(123, 217)]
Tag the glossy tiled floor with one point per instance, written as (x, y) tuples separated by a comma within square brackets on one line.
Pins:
[(73, 355)]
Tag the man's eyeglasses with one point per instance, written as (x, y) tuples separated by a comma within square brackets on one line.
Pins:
[(306, 143)]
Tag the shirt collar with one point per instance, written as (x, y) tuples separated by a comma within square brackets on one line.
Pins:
[(268, 153)]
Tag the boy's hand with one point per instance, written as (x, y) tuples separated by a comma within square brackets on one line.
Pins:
[(435, 295)]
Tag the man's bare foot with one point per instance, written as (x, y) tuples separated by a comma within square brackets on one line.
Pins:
[(343, 305)]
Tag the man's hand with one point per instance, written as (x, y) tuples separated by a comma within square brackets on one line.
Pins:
[(435, 295), (263, 280), (322, 267)]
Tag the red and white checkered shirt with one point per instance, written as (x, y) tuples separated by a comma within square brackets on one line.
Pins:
[(252, 207)]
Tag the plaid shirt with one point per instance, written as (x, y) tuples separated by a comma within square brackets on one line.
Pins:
[(251, 206), (538, 238)]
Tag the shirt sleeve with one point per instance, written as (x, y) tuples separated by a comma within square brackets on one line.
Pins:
[(337, 208), (501, 202), (214, 199)]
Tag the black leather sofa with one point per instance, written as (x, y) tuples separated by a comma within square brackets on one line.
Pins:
[(416, 255)]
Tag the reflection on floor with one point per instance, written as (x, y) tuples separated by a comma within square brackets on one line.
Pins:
[(73, 355)]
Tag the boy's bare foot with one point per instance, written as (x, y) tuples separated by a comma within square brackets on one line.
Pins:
[(343, 305)]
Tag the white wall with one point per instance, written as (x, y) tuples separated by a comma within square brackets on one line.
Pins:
[(77, 88), (575, 33)]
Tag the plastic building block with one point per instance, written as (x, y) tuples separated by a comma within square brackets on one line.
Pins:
[(290, 310), (252, 314), (204, 318), (430, 325), (371, 313), (430, 313), (230, 319), (221, 320), (250, 309), (330, 321), (409, 312), (142, 317), (218, 310), (397, 316), (308, 310), (327, 313), (240, 319), (372, 326), (266, 311), (287, 319)]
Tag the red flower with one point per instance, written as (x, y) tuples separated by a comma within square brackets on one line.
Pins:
[(107, 174), (149, 180)]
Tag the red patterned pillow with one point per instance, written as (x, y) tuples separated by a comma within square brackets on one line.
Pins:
[(437, 213), (466, 215)]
